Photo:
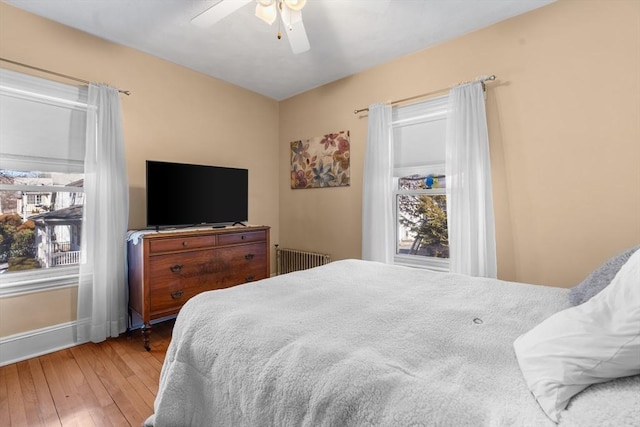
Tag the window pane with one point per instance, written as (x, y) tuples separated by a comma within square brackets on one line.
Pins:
[(60, 179), (422, 182), (422, 225), (40, 228)]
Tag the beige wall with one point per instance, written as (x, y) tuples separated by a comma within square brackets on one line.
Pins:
[(564, 124), (37, 310), (173, 114)]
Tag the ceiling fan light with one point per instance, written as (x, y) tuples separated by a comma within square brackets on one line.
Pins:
[(267, 13), (295, 4)]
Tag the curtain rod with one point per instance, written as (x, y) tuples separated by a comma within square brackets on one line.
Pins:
[(126, 92), (423, 95)]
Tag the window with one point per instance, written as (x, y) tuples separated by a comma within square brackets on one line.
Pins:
[(41, 181), (39, 230), (34, 199), (420, 204)]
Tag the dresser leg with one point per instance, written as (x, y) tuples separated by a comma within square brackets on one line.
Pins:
[(146, 330)]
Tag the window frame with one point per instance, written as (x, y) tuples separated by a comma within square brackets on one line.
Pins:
[(36, 280), (20, 86), (432, 263), (425, 111), (25, 282), (37, 198)]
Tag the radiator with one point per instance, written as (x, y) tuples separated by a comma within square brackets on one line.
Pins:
[(288, 260)]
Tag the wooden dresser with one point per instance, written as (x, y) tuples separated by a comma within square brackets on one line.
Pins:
[(168, 268)]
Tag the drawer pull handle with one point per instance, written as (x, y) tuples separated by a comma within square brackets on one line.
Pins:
[(185, 244), (243, 237), (177, 294), (249, 278), (249, 256), (176, 268)]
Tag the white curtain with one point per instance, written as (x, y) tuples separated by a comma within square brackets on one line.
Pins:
[(377, 206), (472, 245), (102, 291)]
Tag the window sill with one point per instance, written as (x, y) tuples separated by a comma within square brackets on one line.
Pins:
[(434, 264), (20, 283)]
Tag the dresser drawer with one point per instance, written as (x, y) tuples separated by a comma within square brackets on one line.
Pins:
[(242, 264), (174, 278), (181, 243), (249, 236), (169, 298), (179, 266)]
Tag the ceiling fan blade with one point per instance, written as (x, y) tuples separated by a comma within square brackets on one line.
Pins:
[(218, 11), (294, 27)]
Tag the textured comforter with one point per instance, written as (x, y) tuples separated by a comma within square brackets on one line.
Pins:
[(356, 343)]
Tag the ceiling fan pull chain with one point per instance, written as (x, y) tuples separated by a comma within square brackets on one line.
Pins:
[(279, 33), (279, 20)]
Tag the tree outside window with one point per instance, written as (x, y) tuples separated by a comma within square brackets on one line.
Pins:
[(422, 216)]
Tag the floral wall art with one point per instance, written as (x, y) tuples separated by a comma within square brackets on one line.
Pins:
[(322, 161)]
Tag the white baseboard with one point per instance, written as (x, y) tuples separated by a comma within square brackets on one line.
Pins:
[(26, 345)]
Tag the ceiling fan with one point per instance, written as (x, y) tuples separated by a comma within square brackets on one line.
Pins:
[(290, 12)]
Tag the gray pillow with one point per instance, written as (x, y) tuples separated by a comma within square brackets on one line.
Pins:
[(599, 278)]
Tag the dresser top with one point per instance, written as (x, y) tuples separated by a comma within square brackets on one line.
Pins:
[(135, 236)]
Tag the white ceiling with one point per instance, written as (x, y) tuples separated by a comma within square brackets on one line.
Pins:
[(346, 36)]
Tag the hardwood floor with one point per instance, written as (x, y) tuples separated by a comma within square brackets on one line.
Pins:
[(113, 383)]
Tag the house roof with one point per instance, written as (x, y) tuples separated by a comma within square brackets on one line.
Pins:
[(77, 183), (72, 214)]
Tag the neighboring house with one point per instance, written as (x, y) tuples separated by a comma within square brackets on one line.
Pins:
[(33, 202), (57, 216), (58, 236), (65, 199)]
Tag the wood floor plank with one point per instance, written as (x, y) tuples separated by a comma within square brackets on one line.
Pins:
[(71, 382), (143, 372), (87, 366), (144, 393), (91, 366), (115, 359), (124, 395), (55, 388), (5, 419), (68, 403), (91, 403), (45, 401), (114, 416), (29, 395), (17, 410), (92, 408), (109, 414), (113, 383), (153, 361)]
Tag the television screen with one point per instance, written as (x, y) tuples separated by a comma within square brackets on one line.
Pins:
[(185, 194)]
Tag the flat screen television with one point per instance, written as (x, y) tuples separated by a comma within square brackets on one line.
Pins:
[(181, 194)]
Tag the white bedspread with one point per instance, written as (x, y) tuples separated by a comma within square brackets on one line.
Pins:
[(354, 343)]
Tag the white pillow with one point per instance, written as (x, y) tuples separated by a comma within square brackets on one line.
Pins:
[(583, 345)]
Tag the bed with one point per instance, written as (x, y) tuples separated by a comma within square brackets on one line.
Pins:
[(358, 343)]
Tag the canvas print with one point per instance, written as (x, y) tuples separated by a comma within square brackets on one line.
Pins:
[(322, 161)]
